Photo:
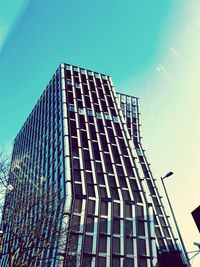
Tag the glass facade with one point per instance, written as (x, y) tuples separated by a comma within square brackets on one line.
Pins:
[(83, 139)]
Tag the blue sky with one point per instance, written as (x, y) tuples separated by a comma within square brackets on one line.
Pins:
[(151, 50), (107, 36)]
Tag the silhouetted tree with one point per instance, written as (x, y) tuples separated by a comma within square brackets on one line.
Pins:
[(34, 227)]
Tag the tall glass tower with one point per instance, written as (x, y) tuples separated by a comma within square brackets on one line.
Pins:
[(82, 140)]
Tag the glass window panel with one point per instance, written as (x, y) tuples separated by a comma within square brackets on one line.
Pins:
[(140, 212), (116, 211), (104, 208), (78, 189), (129, 262), (116, 262), (73, 242), (128, 210), (128, 227), (88, 244), (101, 261), (114, 193), (103, 192), (100, 178), (116, 245), (129, 246), (112, 181), (141, 229), (90, 189), (91, 207), (116, 226), (142, 246), (75, 223), (102, 244), (87, 261), (90, 224), (77, 205), (89, 178), (103, 225), (142, 262)]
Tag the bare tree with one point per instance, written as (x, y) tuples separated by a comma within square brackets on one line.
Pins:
[(35, 227)]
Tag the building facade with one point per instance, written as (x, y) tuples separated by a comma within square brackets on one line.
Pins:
[(79, 160)]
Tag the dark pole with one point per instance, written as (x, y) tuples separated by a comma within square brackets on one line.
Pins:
[(173, 215)]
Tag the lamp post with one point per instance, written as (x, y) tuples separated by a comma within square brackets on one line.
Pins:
[(173, 215)]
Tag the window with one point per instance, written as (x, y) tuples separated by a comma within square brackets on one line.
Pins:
[(86, 154), (129, 246), (129, 262), (102, 244), (90, 224), (94, 97), (88, 244), (100, 179), (166, 232), (126, 194), (99, 167), (103, 225), (89, 178), (77, 85), (137, 196), (90, 112), (87, 260), (86, 93), (76, 164), (128, 228), (91, 207), (87, 163), (82, 122), (78, 189), (75, 68), (122, 181), (81, 111), (141, 229), (71, 108), (114, 193), (98, 115), (140, 212), (77, 205), (77, 175), (128, 211), (93, 132), (116, 245), (101, 261), (103, 192), (116, 211), (73, 242), (115, 119), (116, 226), (104, 208), (75, 223), (90, 189), (143, 262), (112, 181), (69, 82), (142, 246), (107, 116), (116, 262)]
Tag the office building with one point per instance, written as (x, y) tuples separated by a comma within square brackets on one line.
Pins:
[(81, 145)]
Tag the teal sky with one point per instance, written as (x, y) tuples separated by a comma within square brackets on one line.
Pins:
[(107, 36), (151, 50)]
